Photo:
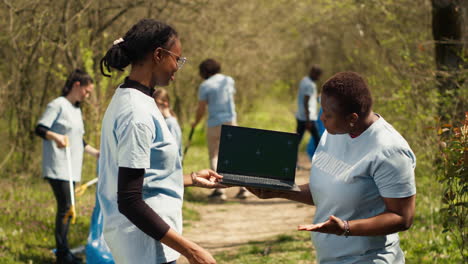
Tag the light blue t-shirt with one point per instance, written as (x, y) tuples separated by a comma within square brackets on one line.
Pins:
[(174, 127), (135, 135), (218, 91), (307, 87), (62, 117), (349, 177)]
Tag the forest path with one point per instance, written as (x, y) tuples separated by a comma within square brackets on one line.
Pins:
[(229, 225)]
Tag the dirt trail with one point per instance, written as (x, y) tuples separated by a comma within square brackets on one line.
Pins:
[(227, 226)]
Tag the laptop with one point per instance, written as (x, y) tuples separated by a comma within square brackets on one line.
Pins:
[(258, 158)]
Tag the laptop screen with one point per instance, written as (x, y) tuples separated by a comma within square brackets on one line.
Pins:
[(257, 152)]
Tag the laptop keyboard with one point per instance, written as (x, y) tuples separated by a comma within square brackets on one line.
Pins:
[(235, 178)]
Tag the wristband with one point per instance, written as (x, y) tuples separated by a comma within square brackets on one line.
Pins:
[(346, 227)]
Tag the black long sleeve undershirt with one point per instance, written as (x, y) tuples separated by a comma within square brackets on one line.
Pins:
[(131, 204), (41, 131)]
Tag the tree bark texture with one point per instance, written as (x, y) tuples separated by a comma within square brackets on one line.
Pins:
[(449, 31)]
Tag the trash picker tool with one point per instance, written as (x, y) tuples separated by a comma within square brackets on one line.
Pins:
[(81, 189), (71, 212), (189, 141)]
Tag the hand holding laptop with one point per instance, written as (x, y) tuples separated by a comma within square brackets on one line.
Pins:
[(206, 179)]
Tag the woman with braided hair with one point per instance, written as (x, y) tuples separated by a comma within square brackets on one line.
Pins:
[(141, 183)]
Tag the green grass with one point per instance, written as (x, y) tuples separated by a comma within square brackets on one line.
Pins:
[(27, 213)]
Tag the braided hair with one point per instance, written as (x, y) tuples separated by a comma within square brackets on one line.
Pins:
[(144, 37)]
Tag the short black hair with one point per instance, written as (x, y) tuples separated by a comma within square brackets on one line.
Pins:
[(315, 72), (144, 37), (77, 75), (209, 67), (351, 92)]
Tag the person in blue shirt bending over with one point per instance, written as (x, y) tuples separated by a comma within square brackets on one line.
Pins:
[(217, 92)]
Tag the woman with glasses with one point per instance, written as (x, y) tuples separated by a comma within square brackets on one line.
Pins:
[(141, 183), (361, 181)]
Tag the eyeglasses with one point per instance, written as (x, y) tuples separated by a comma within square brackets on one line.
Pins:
[(180, 60)]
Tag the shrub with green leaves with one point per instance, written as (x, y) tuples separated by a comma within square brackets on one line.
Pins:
[(453, 174)]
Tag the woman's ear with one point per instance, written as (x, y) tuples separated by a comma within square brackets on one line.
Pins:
[(352, 118), (76, 84), (157, 55)]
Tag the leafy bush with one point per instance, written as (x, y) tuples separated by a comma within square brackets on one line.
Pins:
[(453, 174)]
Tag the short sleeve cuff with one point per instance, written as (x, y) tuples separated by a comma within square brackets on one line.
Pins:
[(403, 194)]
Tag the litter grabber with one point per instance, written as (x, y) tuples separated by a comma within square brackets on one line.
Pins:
[(189, 141), (71, 212), (81, 189)]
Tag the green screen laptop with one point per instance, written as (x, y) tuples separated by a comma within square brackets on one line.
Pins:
[(258, 158)]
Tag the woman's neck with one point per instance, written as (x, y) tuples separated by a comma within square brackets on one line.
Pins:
[(363, 125), (72, 98), (142, 74)]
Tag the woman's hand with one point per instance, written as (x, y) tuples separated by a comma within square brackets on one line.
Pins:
[(333, 225), (206, 179), (193, 252), (200, 256), (60, 140), (92, 151)]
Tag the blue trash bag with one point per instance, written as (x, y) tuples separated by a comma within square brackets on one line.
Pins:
[(321, 128), (97, 251)]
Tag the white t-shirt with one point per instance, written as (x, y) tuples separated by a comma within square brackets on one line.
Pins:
[(307, 87), (62, 117), (218, 91), (349, 177), (135, 135)]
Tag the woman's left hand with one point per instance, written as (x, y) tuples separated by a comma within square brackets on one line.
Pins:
[(333, 225), (206, 179)]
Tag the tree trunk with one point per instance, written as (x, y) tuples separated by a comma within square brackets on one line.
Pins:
[(448, 28)]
